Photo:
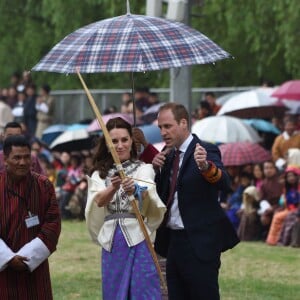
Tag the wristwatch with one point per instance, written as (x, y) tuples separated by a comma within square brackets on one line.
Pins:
[(205, 167)]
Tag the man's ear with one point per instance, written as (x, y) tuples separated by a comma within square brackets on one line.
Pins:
[(183, 123)]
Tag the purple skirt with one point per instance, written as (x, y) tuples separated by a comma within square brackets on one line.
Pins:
[(129, 273)]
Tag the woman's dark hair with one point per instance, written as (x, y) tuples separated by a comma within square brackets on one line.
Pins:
[(16, 141), (103, 160)]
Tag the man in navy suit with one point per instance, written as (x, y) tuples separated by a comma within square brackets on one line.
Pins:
[(195, 230)]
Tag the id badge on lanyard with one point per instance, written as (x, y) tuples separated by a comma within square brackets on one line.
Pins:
[(32, 220)]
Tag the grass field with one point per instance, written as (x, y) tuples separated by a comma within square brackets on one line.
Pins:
[(250, 271)]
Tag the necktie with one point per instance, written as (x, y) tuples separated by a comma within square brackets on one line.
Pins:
[(175, 169)]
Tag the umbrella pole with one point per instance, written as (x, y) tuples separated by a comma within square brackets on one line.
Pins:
[(133, 100), (123, 175)]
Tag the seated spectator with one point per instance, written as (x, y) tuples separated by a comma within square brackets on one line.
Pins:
[(235, 200), (295, 237), (270, 192), (73, 178), (258, 175), (290, 233), (289, 202), (290, 138), (250, 226)]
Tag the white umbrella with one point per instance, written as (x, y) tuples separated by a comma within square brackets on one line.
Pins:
[(224, 129), (257, 102), (72, 140)]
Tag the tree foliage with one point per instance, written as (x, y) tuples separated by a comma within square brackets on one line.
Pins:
[(262, 36)]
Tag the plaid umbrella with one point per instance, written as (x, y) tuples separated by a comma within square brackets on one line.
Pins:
[(130, 42), (242, 153)]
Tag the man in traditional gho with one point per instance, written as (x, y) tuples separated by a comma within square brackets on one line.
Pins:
[(29, 225)]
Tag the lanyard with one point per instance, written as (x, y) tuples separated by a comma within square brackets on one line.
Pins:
[(23, 199)]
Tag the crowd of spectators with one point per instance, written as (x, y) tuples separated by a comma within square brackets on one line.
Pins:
[(263, 203)]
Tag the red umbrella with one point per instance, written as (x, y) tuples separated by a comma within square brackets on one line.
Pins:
[(242, 153), (288, 90)]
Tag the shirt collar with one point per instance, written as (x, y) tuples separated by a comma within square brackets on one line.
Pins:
[(186, 143)]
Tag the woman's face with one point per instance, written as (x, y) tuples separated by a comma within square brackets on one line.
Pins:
[(122, 141), (291, 178), (257, 172)]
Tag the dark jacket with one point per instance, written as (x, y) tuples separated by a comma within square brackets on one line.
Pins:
[(207, 226)]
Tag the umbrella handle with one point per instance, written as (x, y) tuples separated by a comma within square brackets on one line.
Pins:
[(122, 175)]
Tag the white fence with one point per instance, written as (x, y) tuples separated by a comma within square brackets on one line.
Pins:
[(72, 106)]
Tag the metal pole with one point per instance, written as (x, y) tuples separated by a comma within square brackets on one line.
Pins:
[(180, 78)]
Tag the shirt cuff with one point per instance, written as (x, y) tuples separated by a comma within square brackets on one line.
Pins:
[(6, 254), (36, 252)]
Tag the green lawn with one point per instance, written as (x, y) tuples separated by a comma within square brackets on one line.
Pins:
[(250, 271)]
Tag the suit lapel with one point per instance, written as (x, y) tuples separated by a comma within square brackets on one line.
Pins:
[(190, 151)]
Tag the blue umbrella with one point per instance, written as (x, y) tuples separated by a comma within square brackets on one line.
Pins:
[(152, 133), (77, 126), (262, 125), (52, 132)]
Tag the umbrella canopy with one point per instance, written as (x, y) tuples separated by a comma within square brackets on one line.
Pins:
[(242, 153), (134, 43), (224, 129), (288, 90), (262, 125), (94, 126), (52, 132), (151, 133), (256, 102), (72, 140), (150, 114)]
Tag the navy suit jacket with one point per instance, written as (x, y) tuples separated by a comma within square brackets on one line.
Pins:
[(209, 230)]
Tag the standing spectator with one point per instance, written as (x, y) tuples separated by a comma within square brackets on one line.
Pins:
[(12, 96), (30, 110), (15, 80), (45, 104), (203, 111), (29, 226), (210, 97), (14, 128), (6, 115), (195, 230), (18, 109), (290, 138)]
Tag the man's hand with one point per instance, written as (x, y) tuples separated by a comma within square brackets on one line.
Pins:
[(17, 263), (200, 156), (159, 159)]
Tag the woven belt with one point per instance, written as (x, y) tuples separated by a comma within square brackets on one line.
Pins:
[(119, 216)]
